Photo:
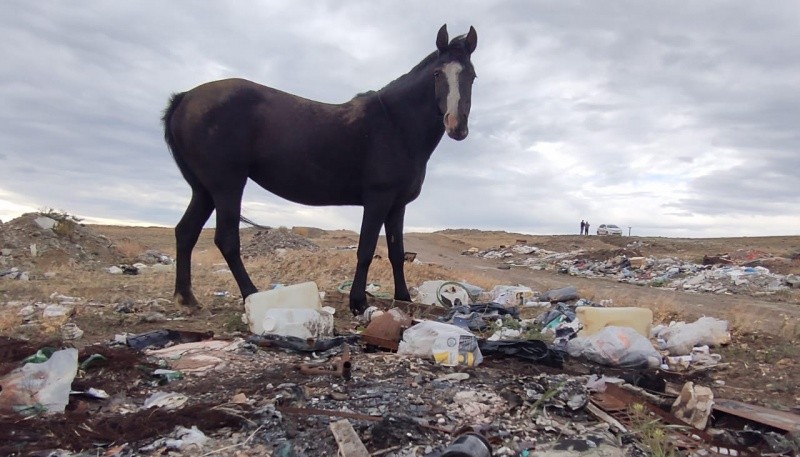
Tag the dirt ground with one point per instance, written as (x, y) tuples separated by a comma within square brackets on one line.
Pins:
[(760, 365)]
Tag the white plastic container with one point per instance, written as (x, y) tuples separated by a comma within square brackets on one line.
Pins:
[(510, 296), (595, 319), (297, 296), (298, 322)]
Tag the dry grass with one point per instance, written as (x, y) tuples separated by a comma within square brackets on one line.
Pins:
[(129, 249)]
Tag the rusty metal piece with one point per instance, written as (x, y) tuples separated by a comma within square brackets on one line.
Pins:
[(341, 366), (781, 420), (386, 330)]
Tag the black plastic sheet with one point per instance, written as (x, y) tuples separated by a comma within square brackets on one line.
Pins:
[(535, 351)]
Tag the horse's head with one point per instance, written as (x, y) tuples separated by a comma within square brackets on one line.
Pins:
[(453, 75)]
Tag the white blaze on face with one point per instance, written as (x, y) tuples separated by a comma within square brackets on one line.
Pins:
[(451, 72)]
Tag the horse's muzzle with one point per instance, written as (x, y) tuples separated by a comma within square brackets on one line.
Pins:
[(455, 128), (458, 134)]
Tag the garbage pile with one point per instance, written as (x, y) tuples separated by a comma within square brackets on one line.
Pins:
[(149, 261), (49, 239), (461, 372), (269, 241), (735, 273)]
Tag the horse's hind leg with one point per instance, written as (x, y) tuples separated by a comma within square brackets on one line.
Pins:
[(394, 241), (226, 237), (186, 233)]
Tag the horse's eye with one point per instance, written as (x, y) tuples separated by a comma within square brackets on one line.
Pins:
[(437, 73)]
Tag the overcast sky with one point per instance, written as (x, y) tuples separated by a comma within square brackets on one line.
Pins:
[(676, 118)]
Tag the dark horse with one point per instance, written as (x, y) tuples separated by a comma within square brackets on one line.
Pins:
[(371, 151)]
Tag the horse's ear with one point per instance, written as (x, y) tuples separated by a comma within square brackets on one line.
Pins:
[(472, 40), (442, 38)]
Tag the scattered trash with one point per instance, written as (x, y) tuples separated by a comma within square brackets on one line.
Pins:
[(385, 329), (185, 439), (529, 350), (563, 294), (447, 344), (781, 420), (294, 297), (300, 344), (727, 274), (443, 293), (413, 406), (475, 317), (91, 392), (40, 386), (341, 366), (693, 405), (350, 444), (71, 331), (168, 375), (679, 338), (468, 445), (198, 357), (299, 323), (162, 338), (166, 400), (40, 356), (511, 296), (620, 347)]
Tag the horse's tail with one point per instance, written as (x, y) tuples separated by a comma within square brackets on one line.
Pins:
[(172, 142)]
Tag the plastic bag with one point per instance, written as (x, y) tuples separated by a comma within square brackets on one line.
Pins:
[(447, 344), (563, 294), (617, 347), (680, 338), (44, 385)]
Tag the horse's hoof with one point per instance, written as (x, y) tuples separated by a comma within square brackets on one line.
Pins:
[(358, 308), (188, 301)]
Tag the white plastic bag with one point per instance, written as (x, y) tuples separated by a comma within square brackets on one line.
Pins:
[(680, 338), (447, 344), (47, 384), (616, 347)]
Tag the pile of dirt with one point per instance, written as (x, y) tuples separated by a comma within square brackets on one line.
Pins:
[(41, 241), (268, 241)]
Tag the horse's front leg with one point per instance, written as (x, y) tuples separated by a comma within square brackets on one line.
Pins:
[(394, 241), (375, 211)]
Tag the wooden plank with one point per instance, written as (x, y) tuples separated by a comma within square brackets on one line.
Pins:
[(778, 419), (350, 444)]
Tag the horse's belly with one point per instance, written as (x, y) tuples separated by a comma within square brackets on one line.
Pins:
[(309, 187)]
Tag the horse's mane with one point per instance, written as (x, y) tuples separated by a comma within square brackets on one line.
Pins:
[(457, 44)]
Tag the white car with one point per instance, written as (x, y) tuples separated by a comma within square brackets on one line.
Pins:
[(609, 229)]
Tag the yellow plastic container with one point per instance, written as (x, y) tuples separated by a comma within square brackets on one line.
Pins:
[(594, 319)]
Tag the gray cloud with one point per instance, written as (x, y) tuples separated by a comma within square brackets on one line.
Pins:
[(674, 118)]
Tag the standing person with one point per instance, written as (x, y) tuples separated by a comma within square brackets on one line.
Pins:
[(587, 227), (583, 226)]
